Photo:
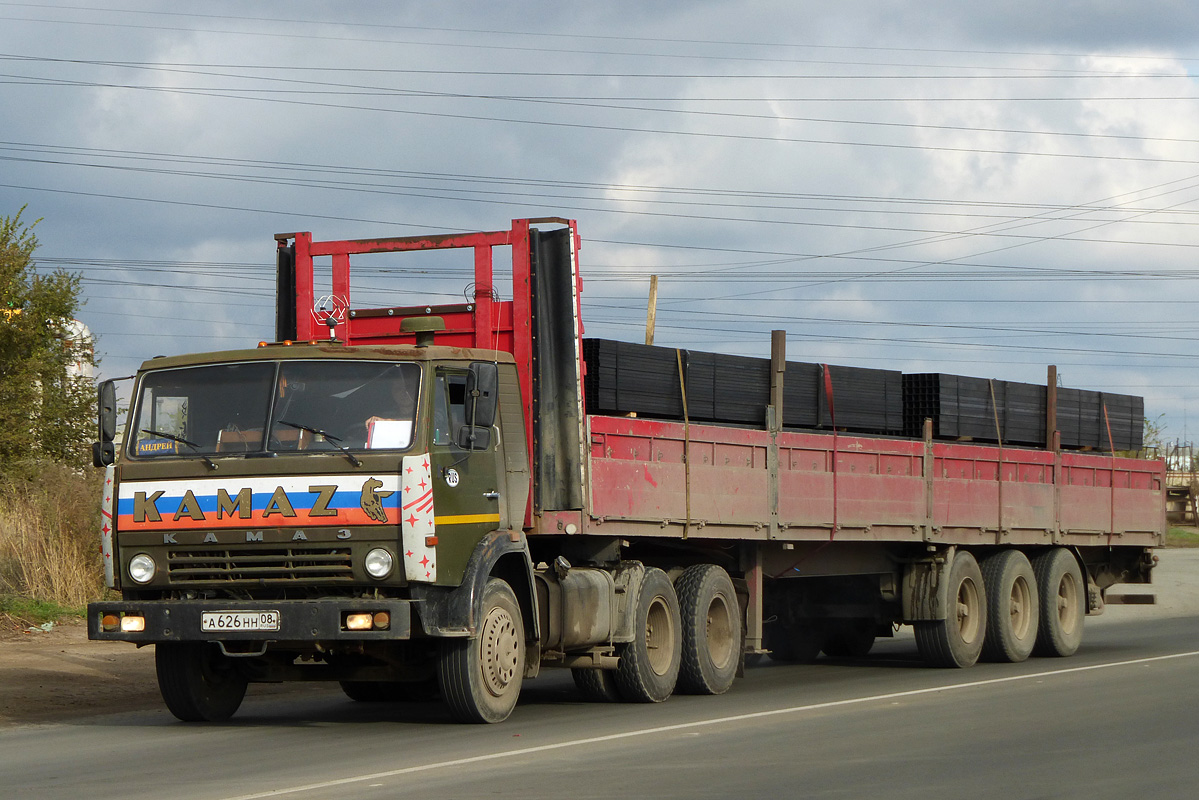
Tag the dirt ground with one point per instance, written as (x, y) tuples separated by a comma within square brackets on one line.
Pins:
[(59, 674)]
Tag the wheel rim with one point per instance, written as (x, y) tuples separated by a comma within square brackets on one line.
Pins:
[(659, 636), (719, 633), (1021, 608), (500, 651), (969, 619), (1067, 604)]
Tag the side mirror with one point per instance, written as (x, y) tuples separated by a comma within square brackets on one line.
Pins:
[(107, 403), (103, 454), (104, 451), (482, 394), (474, 438), (482, 399)]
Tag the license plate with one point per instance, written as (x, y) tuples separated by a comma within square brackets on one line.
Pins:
[(221, 621)]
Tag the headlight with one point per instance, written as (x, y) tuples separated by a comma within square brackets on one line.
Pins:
[(378, 563), (142, 568)]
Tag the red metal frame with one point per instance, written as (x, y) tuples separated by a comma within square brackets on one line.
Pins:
[(484, 324)]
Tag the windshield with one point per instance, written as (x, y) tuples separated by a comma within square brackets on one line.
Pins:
[(300, 405)]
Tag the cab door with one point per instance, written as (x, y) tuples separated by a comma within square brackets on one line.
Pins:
[(466, 483)]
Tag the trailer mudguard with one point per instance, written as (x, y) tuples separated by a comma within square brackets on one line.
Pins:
[(926, 588)]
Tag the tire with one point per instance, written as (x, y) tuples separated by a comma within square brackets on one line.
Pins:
[(649, 665), (793, 641), (1013, 610), (1062, 603), (197, 682), (849, 638), (481, 677), (597, 685), (957, 640), (389, 691), (711, 618)]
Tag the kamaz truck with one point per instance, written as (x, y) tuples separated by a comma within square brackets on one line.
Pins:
[(420, 501)]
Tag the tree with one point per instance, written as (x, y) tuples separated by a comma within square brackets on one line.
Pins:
[(46, 406)]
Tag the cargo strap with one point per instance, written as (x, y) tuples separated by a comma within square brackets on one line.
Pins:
[(678, 354), (1112, 502), (999, 439), (832, 415)]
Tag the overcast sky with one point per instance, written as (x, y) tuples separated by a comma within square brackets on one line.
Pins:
[(980, 189)]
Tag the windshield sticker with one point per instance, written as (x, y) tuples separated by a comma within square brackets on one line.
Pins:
[(155, 447)]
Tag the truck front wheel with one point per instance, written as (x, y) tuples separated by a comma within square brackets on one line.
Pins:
[(481, 677), (649, 665), (197, 682)]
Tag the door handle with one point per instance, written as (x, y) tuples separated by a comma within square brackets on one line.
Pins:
[(492, 495)]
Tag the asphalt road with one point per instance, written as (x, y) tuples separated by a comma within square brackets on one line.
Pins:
[(1120, 719)]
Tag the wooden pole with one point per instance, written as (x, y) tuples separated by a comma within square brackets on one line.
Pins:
[(778, 364), (652, 313), (1051, 408)]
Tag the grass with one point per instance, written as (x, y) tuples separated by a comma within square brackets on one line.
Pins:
[(49, 545), (1182, 537), (26, 613)]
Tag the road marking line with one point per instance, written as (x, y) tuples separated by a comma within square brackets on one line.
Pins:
[(525, 751)]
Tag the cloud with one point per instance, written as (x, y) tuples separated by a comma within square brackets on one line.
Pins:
[(936, 186)]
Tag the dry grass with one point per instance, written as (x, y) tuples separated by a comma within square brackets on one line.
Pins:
[(49, 538)]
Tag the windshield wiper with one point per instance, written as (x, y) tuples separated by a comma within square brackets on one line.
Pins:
[(330, 438), (195, 447)]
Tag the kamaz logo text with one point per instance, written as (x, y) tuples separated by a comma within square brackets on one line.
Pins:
[(259, 502)]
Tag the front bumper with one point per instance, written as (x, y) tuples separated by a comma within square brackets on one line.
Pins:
[(299, 620)]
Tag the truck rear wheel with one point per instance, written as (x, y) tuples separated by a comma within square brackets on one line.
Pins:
[(481, 677), (711, 619), (198, 683), (1012, 607), (849, 638), (1062, 603), (957, 640), (597, 685), (649, 665)]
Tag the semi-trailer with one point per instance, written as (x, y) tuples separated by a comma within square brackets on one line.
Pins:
[(416, 501)]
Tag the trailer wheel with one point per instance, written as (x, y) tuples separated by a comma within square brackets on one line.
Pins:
[(957, 640), (597, 685), (481, 677), (389, 691), (711, 629), (1012, 607), (1062, 605), (849, 638), (197, 682), (793, 641), (649, 665)]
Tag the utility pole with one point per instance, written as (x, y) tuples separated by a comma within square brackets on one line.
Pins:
[(652, 313)]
